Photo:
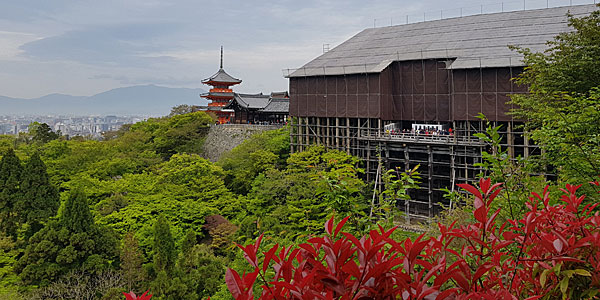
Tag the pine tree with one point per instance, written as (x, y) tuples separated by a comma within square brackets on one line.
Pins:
[(11, 171), (131, 261), (189, 241), (71, 242), (40, 199), (164, 246)]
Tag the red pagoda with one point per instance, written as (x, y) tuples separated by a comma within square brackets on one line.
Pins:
[(220, 94)]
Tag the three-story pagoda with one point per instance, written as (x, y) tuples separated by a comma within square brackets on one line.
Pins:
[(221, 93)]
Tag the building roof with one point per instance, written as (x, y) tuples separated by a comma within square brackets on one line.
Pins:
[(467, 42), (250, 101), (221, 77), (278, 105), (263, 103)]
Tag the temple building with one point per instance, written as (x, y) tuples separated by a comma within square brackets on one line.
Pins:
[(410, 95), (221, 93), (259, 108)]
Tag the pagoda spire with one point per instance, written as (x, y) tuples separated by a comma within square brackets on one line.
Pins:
[(221, 57)]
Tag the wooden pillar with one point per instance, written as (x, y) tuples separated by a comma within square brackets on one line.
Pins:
[(510, 140), (429, 181), (327, 130), (348, 136), (337, 133), (306, 136)]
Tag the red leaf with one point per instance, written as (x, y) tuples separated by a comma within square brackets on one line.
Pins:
[(340, 225), (329, 225), (471, 189), (268, 256), (234, 282)]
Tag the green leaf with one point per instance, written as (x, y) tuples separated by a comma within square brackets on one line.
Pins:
[(582, 272), (564, 284)]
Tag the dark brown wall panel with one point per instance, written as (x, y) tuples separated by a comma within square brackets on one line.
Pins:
[(321, 105), (363, 105), (459, 81), (374, 105), (419, 107), (397, 108), (321, 86), (293, 105), (442, 86), (459, 106), (302, 105), (351, 108), (311, 85), (443, 108), (473, 105), (430, 108), (430, 80), (406, 85), (489, 105), (341, 85), (311, 105), (488, 82), (341, 106), (407, 107), (331, 105), (503, 107), (473, 80), (331, 85), (352, 84), (362, 82), (373, 83), (417, 76), (293, 86), (503, 80)]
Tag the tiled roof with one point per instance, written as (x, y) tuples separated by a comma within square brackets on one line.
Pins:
[(222, 77), (470, 42)]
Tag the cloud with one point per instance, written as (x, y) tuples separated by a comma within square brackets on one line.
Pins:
[(123, 44)]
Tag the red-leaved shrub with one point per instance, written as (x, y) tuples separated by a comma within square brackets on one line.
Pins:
[(551, 252)]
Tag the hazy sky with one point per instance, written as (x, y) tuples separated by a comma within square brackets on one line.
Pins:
[(88, 46)]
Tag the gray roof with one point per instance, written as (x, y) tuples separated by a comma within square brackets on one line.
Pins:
[(222, 76), (278, 105), (473, 41), (251, 101)]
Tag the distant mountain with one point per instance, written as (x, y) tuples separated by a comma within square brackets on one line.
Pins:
[(134, 100)]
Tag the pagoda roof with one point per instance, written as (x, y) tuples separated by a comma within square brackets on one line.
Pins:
[(221, 77), (216, 94)]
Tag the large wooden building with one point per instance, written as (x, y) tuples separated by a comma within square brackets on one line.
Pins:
[(367, 95)]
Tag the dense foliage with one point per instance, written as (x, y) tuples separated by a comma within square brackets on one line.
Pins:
[(552, 252), (563, 107)]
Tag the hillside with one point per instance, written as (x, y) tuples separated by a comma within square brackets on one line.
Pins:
[(134, 100)]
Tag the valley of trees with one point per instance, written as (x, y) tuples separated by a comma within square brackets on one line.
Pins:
[(142, 210)]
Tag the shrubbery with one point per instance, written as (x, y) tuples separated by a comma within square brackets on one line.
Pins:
[(551, 252)]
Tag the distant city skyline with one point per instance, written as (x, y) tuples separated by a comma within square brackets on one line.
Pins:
[(85, 47)]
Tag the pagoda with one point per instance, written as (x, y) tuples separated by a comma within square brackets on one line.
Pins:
[(221, 93)]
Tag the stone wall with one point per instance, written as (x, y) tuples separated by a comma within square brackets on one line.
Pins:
[(223, 138)]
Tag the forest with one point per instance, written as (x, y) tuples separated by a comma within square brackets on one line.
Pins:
[(141, 210)]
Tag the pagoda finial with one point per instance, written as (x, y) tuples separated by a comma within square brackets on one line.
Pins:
[(221, 57)]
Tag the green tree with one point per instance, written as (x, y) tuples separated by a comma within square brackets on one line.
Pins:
[(11, 172), (131, 261), (562, 109), (164, 246), (259, 153), (41, 132), (71, 242), (40, 199)]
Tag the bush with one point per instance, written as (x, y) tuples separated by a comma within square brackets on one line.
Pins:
[(551, 252)]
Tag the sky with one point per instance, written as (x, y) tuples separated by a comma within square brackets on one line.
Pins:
[(85, 47)]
